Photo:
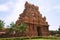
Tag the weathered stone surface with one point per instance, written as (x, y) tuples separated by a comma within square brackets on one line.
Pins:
[(37, 25)]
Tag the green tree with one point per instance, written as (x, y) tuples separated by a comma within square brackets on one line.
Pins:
[(1, 24), (59, 30), (13, 27), (23, 27)]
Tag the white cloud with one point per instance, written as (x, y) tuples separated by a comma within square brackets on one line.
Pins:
[(56, 7), (18, 8), (3, 7)]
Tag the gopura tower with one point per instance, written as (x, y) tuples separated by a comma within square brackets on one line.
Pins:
[(36, 24)]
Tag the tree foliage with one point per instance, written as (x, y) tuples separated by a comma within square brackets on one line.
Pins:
[(13, 26), (1, 24), (59, 30), (17, 28), (22, 27)]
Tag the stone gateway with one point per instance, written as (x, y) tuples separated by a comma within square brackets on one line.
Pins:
[(36, 24)]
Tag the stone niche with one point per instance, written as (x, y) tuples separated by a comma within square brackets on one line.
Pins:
[(36, 24)]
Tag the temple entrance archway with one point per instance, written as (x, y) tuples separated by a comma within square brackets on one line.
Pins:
[(39, 31)]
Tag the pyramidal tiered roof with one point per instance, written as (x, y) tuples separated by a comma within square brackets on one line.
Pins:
[(31, 15)]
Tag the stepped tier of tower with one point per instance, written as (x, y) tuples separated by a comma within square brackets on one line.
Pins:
[(31, 15)]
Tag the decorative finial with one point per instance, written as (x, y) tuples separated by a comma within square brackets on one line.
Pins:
[(26, 4)]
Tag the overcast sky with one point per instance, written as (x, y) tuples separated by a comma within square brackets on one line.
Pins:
[(10, 10)]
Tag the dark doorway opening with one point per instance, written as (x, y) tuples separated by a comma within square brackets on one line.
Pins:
[(39, 31)]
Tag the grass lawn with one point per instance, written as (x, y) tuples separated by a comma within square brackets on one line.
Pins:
[(32, 38), (43, 39)]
